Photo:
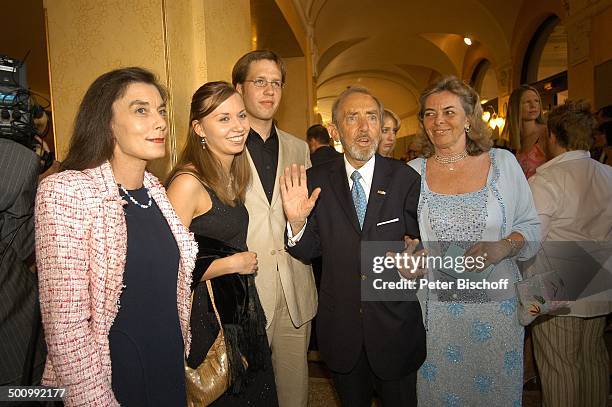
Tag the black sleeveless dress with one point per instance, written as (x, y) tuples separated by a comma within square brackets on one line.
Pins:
[(146, 344), (226, 226)]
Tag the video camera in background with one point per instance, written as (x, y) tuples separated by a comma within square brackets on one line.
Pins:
[(18, 111), (16, 108)]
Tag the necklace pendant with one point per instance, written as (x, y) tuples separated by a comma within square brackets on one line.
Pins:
[(451, 168)]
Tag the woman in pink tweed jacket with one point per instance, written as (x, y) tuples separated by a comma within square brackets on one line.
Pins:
[(81, 233)]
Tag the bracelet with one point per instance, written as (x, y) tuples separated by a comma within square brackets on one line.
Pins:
[(514, 246)]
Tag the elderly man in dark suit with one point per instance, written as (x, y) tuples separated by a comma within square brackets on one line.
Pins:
[(21, 348), (368, 345), (318, 140)]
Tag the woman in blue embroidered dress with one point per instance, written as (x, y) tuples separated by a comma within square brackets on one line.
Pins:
[(476, 202)]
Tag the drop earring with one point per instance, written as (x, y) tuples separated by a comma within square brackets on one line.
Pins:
[(468, 128), (203, 142)]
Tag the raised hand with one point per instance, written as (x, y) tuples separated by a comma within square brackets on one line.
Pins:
[(294, 193)]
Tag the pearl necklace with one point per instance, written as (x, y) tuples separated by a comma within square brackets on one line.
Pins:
[(134, 201), (448, 161)]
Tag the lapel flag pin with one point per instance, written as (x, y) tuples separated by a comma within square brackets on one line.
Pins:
[(381, 192)]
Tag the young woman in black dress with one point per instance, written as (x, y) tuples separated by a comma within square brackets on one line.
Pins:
[(207, 189)]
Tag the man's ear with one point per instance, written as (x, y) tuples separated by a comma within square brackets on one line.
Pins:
[(333, 132), (239, 88)]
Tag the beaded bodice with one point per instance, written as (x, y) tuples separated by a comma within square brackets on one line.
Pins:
[(458, 218)]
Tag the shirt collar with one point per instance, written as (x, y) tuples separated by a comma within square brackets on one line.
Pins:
[(567, 156), (254, 136), (366, 171)]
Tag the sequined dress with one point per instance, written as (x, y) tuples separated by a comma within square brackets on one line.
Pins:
[(474, 340), (229, 225)]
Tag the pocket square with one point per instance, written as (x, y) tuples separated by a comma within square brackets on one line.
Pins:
[(388, 221)]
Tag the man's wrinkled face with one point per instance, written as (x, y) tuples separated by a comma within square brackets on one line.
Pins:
[(358, 127)]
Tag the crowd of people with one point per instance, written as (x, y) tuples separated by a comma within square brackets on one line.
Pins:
[(199, 290)]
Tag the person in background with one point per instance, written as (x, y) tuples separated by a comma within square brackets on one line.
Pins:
[(525, 128), (390, 126), (604, 115), (572, 194), (21, 349), (475, 202), (42, 122), (318, 141), (285, 285), (414, 148), (207, 189), (602, 143), (606, 129), (114, 259)]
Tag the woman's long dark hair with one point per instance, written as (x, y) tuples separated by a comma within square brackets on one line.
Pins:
[(206, 164), (92, 140)]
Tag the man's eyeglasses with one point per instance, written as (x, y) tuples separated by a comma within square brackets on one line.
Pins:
[(262, 83)]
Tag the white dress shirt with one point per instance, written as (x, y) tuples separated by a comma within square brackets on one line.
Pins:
[(366, 172), (573, 197)]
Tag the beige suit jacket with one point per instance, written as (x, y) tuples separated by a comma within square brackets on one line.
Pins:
[(266, 237)]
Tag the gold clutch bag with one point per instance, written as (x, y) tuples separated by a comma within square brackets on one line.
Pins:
[(211, 379)]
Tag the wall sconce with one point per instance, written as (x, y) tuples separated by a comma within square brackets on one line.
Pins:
[(492, 119), (467, 40)]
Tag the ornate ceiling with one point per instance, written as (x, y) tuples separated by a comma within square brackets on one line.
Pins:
[(396, 47)]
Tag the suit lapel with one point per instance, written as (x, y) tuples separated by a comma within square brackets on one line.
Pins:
[(283, 161), (339, 184), (378, 191)]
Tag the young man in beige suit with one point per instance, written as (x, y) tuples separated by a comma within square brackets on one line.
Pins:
[(285, 285)]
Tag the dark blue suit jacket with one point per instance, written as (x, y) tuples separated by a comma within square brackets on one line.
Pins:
[(391, 332), (323, 155)]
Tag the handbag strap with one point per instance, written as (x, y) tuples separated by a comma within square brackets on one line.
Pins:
[(212, 300)]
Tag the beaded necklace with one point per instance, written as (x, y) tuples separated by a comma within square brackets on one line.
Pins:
[(134, 201), (449, 161)]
